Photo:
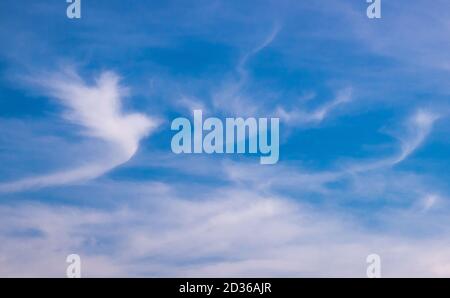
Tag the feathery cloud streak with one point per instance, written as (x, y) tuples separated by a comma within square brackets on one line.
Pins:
[(98, 110)]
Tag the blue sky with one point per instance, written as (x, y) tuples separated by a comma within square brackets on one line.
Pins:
[(87, 168)]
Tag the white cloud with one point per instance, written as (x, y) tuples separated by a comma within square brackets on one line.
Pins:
[(244, 229), (361, 178), (98, 110), (266, 42), (419, 126), (298, 116), (234, 232), (231, 98)]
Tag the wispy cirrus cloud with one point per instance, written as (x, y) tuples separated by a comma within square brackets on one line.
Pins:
[(412, 135), (207, 215), (98, 110), (231, 96), (229, 231), (301, 116), (419, 127), (416, 130)]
